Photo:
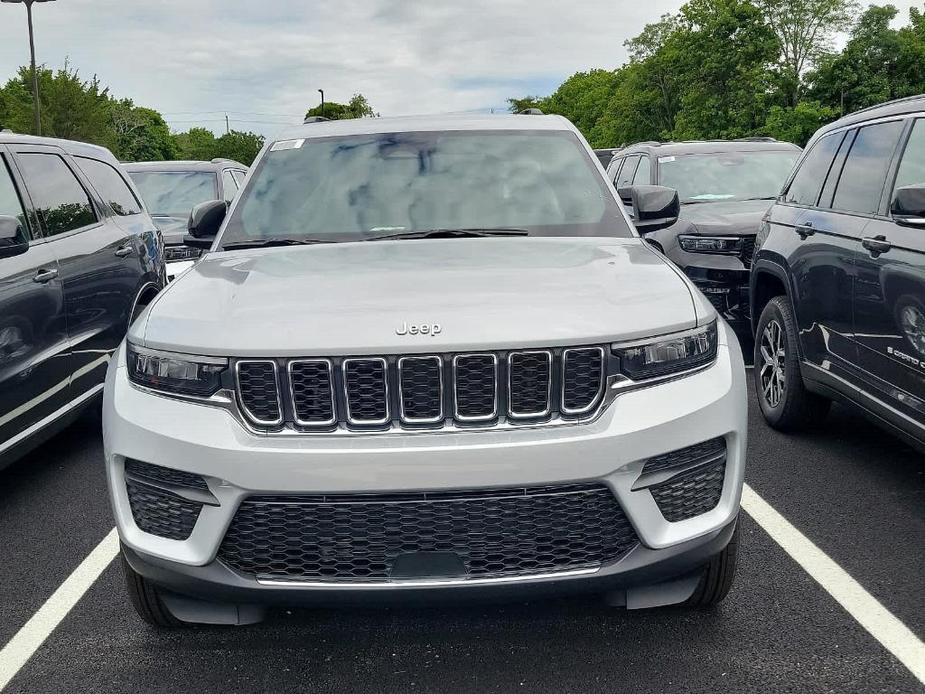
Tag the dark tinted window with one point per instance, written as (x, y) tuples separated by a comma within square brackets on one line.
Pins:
[(110, 185), (229, 185), (864, 173), (642, 171), (804, 190), (60, 201), (626, 173), (10, 204), (912, 168)]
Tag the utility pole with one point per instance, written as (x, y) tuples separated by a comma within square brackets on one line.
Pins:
[(321, 91), (227, 126), (35, 75)]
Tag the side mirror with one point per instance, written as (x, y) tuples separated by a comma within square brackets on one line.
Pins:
[(908, 206), (206, 218), (12, 237), (654, 207)]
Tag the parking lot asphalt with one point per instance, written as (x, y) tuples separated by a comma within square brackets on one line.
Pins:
[(858, 494)]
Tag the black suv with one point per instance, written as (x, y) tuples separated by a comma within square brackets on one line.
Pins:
[(838, 280), (725, 188), (171, 189), (79, 258)]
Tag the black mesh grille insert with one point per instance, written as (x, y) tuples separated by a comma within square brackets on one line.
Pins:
[(259, 391), (367, 391), (691, 493), (748, 250), (312, 392), (161, 513), (582, 378), (686, 456), (476, 386), (495, 533), (529, 376), (164, 475), (421, 389)]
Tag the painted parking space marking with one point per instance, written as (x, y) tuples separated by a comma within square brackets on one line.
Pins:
[(879, 622), (27, 640)]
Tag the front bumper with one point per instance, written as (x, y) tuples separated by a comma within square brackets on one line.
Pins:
[(611, 450)]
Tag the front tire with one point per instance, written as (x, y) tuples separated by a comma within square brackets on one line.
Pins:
[(782, 396), (718, 576), (146, 599)]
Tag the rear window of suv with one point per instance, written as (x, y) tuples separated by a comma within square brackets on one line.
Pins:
[(361, 186)]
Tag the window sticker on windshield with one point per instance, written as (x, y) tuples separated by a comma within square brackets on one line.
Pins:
[(665, 160), (287, 144)]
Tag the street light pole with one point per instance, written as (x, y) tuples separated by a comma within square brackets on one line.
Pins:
[(321, 91), (35, 74)]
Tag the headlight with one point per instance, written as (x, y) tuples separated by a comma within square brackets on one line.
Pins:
[(722, 245), (668, 354), (175, 373)]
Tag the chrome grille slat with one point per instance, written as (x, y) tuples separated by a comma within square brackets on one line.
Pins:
[(420, 389), (366, 391), (530, 387), (475, 387), (529, 384), (582, 379), (311, 386)]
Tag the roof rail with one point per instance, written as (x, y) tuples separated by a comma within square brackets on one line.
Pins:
[(6, 131), (314, 119), (756, 138), (904, 99), (530, 112), (219, 160)]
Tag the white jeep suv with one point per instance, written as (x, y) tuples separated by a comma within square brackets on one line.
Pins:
[(424, 358)]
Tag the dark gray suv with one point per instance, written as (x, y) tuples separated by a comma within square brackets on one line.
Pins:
[(171, 189), (79, 258), (725, 187)]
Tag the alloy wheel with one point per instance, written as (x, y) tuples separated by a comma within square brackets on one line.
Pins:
[(773, 355)]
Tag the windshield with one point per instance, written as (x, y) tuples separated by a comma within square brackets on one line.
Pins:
[(174, 193), (726, 176), (374, 185)]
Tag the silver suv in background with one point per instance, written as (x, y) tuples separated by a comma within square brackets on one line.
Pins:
[(171, 189), (426, 357)]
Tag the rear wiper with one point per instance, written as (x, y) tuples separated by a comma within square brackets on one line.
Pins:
[(267, 243), (452, 233)]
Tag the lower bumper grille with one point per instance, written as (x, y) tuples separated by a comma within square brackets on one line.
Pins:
[(691, 493), (485, 534), (155, 507)]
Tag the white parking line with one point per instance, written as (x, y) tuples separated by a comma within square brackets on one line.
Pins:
[(879, 622), (27, 640)]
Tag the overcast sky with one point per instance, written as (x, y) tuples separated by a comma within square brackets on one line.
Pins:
[(263, 62)]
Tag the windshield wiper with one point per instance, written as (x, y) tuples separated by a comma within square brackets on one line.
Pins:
[(268, 243), (452, 233)]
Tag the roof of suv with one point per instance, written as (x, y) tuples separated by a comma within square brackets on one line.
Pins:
[(711, 146), (72, 147), (898, 107), (361, 126), (214, 165)]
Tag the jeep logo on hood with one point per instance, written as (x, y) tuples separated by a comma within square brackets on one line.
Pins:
[(406, 328)]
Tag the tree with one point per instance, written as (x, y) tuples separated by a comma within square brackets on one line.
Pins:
[(357, 107), (196, 144), (240, 146), (140, 134), (804, 31), (797, 123)]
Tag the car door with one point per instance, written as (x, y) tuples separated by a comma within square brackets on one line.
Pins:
[(98, 260), (820, 249), (889, 309), (35, 361)]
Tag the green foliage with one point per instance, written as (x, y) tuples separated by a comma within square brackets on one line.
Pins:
[(358, 107), (734, 68)]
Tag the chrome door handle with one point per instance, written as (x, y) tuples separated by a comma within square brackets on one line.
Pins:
[(805, 230), (876, 244), (123, 252), (43, 276)]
